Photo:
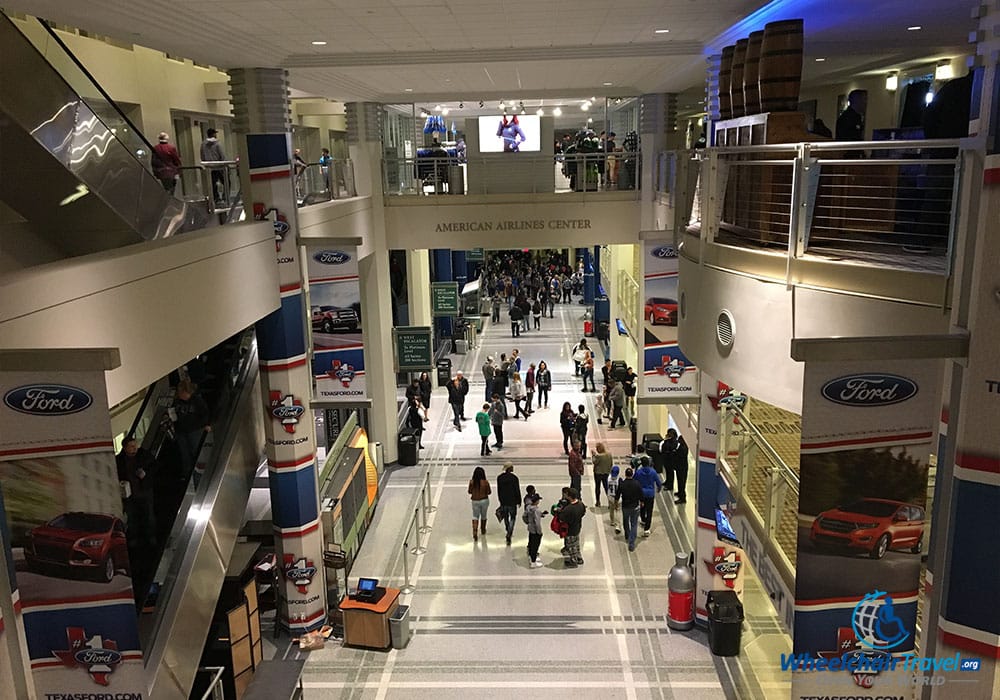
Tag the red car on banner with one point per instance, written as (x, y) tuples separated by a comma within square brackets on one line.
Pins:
[(80, 544), (661, 310), (872, 525)]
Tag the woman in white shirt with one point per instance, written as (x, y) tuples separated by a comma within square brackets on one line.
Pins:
[(517, 394)]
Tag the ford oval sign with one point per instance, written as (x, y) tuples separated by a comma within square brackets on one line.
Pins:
[(869, 390), (48, 399), (664, 251), (331, 257), (281, 227), (98, 657)]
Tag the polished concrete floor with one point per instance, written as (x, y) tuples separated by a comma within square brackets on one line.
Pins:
[(486, 625)]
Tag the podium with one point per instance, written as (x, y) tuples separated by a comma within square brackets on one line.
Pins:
[(367, 624)]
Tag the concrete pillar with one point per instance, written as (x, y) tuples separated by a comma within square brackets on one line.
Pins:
[(657, 115), (418, 289), (597, 270), (260, 104), (364, 143)]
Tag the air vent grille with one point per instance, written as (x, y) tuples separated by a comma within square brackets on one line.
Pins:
[(724, 329)]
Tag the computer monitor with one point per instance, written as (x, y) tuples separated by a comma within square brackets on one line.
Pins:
[(367, 585), (723, 528)]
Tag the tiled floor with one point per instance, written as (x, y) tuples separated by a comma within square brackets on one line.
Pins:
[(484, 624)]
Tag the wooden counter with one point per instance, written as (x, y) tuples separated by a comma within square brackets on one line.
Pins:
[(367, 624)]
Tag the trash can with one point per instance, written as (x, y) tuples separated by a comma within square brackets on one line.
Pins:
[(725, 622), (409, 447), (444, 371), (399, 627), (456, 179)]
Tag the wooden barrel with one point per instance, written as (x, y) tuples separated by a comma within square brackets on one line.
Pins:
[(725, 81), (781, 66), (736, 78), (751, 73)]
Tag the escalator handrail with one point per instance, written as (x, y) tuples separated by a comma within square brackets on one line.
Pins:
[(89, 76)]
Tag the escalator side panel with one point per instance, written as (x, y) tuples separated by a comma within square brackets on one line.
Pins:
[(173, 660)]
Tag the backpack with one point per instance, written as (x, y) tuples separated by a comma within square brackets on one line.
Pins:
[(580, 424), (524, 517), (558, 526)]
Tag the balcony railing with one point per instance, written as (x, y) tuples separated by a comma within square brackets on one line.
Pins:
[(509, 173), (890, 203), (321, 183)]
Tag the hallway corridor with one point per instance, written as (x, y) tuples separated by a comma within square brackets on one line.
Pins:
[(485, 624)]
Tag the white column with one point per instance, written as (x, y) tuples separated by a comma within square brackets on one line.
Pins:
[(418, 290)]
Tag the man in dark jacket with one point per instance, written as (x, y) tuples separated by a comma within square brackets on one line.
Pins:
[(509, 495), (516, 316), (630, 496), (676, 452), (463, 390), (191, 421), (135, 471), (456, 399), (572, 515)]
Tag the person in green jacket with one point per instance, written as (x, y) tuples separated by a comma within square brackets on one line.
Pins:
[(483, 421), (602, 469)]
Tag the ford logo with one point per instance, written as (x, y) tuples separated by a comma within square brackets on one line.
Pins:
[(869, 390), (664, 251), (97, 657), (48, 399), (727, 567), (281, 227), (331, 257), (287, 411), (299, 574)]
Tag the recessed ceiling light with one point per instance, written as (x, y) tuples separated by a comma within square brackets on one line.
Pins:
[(437, 108), (557, 112), (319, 43), (914, 28), (444, 112), (585, 106), (661, 31), (540, 112), (408, 89), (820, 60), (608, 84)]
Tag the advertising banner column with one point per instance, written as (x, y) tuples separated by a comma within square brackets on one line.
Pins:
[(868, 430), (261, 108), (666, 371), (63, 509)]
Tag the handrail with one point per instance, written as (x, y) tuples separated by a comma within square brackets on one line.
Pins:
[(785, 471), (142, 409), (215, 690), (72, 56), (841, 145)]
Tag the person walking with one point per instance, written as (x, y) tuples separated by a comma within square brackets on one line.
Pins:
[(533, 519), (651, 485), (631, 386), (211, 152), (483, 421), (489, 370), (630, 496), (572, 515), (509, 495), (567, 421), (479, 493), (587, 371), (415, 419), (575, 467), (190, 414), (536, 314), (602, 469), (543, 380), (455, 400), (463, 391), (529, 388), (617, 396), (495, 308), (614, 480), (516, 316), (579, 354), (166, 162), (517, 395), (497, 411), (424, 385), (675, 450), (580, 426)]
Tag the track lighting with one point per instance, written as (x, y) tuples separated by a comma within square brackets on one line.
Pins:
[(480, 104), (461, 105)]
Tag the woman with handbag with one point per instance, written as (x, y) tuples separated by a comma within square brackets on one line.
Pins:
[(543, 381), (479, 494)]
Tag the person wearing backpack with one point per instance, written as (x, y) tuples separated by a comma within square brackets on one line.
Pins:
[(509, 495), (572, 515), (580, 426), (651, 485), (575, 467)]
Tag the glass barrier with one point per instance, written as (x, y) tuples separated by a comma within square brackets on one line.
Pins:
[(319, 182), (512, 173)]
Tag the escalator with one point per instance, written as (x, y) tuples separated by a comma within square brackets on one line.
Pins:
[(79, 185), (198, 514)]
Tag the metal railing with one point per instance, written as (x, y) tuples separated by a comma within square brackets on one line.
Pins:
[(510, 173), (763, 484), (317, 182), (415, 529), (212, 676), (879, 202)]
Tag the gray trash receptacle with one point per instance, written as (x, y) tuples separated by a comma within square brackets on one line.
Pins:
[(399, 627)]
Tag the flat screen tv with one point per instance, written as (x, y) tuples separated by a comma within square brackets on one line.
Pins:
[(510, 133)]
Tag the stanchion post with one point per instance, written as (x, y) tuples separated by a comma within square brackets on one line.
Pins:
[(418, 549), (407, 587), (429, 507)]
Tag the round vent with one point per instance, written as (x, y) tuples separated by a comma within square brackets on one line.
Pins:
[(725, 328), (684, 313)]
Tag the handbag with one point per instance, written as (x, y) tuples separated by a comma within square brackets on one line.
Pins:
[(499, 513)]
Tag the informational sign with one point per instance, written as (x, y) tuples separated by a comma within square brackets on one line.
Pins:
[(335, 319), (666, 371), (868, 430), (444, 299), (475, 255), (414, 348)]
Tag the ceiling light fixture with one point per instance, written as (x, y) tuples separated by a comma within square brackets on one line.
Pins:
[(944, 71), (590, 120), (820, 60), (585, 106), (501, 104), (437, 108), (444, 112), (319, 43), (557, 112), (540, 112), (914, 28), (929, 97), (608, 84), (661, 31), (892, 81), (408, 89)]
